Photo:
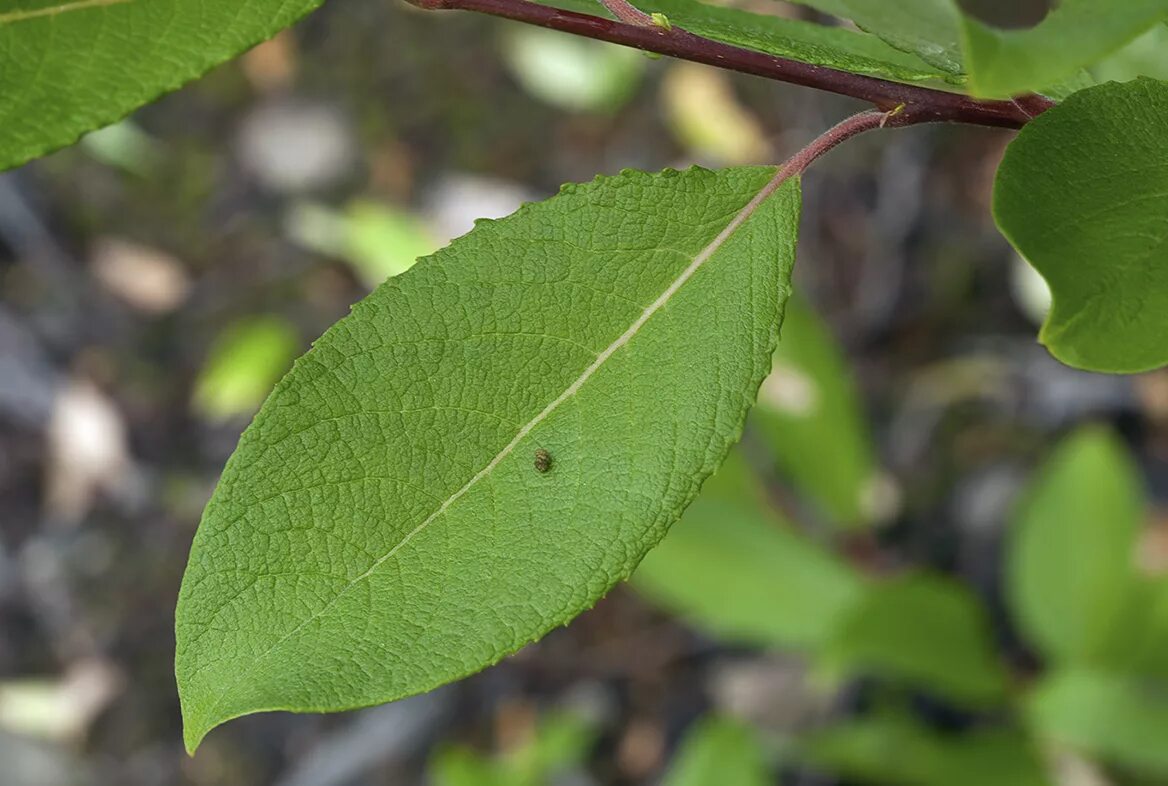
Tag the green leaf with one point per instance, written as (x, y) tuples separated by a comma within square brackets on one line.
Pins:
[(807, 42), (558, 743), (576, 74), (377, 240), (1146, 56), (928, 29), (1109, 716), (246, 361), (381, 528), (891, 748), (70, 66), (732, 567), (923, 630), (457, 765), (720, 751), (811, 417), (1071, 559), (1082, 194), (1076, 34)]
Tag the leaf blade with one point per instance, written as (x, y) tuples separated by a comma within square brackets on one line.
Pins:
[(316, 637), (1071, 572), (65, 73), (1081, 193)]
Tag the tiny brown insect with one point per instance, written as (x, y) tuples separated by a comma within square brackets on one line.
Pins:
[(543, 460)]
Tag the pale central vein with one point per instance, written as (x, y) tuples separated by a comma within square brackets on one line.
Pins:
[(697, 263), (55, 10)]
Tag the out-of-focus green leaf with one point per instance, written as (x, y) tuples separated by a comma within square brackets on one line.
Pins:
[(1071, 559), (1146, 56), (707, 118), (834, 47), (810, 415), (123, 145), (1082, 193), (246, 361), (560, 742), (922, 630), (456, 765), (572, 73), (894, 749), (1121, 719), (379, 241), (720, 752), (732, 567), (1076, 34), (70, 66)]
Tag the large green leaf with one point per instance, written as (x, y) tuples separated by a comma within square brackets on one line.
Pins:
[(1110, 716), (1076, 34), (1071, 560), (922, 630), (811, 417), (1083, 194), (67, 67), (732, 567), (383, 529), (807, 42), (720, 751)]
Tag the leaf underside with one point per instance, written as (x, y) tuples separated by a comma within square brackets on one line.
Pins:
[(381, 528)]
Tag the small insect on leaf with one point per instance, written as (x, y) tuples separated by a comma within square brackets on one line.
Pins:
[(543, 460)]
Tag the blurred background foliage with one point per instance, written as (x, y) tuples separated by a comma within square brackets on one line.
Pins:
[(937, 558)]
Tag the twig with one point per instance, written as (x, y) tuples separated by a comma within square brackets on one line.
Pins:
[(918, 102)]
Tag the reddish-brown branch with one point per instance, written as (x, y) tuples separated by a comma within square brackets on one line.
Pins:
[(923, 104)]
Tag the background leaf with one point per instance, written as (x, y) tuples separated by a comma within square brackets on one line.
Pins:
[(925, 631), (1082, 194), (1145, 56), (67, 67), (895, 749), (1071, 561), (1117, 718), (1076, 34), (722, 751), (570, 72), (558, 743), (810, 416), (381, 528), (246, 361), (377, 240), (732, 567)]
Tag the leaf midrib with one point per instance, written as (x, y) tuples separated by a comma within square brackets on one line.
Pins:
[(12, 17), (698, 262)]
